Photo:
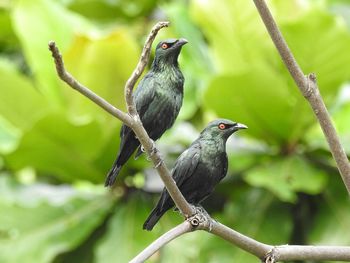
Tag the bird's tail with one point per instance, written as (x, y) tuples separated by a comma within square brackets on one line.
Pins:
[(112, 175), (153, 218)]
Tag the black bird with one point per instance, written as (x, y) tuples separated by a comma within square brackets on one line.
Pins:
[(158, 100), (199, 168)]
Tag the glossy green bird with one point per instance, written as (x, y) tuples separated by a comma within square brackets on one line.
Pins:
[(199, 168), (158, 99)]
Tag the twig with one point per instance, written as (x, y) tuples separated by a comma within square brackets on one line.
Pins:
[(283, 252), (246, 243), (177, 231), (308, 87)]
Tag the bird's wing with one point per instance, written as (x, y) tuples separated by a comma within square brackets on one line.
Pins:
[(223, 162), (145, 93), (186, 164)]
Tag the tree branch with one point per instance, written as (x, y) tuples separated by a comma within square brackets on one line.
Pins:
[(308, 87), (177, 231), (202, 221)]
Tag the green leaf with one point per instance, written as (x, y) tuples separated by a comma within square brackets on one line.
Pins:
[(125, 237), (103, 64), (238, 38), (333, 217), (36, 22), (251, 82), (327, 55), (60, 148), (21, 105), (110, 11), (284, 177), (249, 97), (42, 221)]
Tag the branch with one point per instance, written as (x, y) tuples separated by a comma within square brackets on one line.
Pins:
[(308, 87), (202, 221), (132, 119), (280, 253), (177, 231)]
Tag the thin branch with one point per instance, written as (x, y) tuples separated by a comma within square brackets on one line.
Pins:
[(317, 253), (246, 243), (280, 253), (202, 221), (129, 86), (177, 231), (308, 87)]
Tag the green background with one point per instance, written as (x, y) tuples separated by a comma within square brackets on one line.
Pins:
[(56, 146)]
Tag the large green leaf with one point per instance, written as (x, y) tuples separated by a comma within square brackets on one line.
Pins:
[(42, 221), (333, 217), (125, 237), (105, 10), (272, 114), (21, 105), (103, 64), (284, 177), (251, 82), (36, 22), (238, 38), (60, 148)]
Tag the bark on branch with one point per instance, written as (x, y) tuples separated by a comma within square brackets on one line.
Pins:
[(308, 87)]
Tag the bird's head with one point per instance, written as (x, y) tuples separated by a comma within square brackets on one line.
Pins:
[(167, 51), (222, 128)]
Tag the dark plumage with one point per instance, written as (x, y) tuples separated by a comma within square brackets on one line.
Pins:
[(158, 100), (198, 169)]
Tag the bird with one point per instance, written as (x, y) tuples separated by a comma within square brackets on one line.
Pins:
[(158, 99), (199, 168)]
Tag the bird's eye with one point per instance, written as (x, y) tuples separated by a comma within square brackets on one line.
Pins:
[(165, 46), (222, 126)]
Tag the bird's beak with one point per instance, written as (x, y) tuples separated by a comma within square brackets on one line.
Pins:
[(181, 42), (239, 126)]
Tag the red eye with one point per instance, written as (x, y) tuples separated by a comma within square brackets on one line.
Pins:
[(164, 46), (222, 126)]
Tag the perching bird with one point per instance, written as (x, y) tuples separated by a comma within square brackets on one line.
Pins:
[(158, 99), (199, 168)]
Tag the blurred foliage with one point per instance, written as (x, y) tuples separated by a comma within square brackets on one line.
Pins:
[(56, 146)]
